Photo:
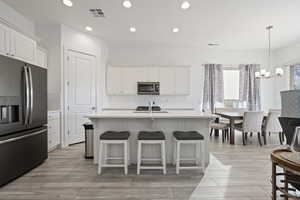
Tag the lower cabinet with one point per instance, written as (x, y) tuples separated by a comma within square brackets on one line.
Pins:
[(53, 130)]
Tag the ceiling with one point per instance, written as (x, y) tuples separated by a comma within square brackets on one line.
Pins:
[(234, 24)]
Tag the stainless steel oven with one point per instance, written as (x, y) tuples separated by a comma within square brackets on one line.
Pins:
[(148, 88)]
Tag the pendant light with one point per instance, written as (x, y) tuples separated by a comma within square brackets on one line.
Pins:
[(263, 73)]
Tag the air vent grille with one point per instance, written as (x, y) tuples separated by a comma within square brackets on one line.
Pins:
[(213, 44), (97, 12)]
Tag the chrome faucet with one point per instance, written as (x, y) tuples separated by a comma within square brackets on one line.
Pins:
[(150, 106)]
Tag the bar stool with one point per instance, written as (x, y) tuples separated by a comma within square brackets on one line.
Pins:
[(154, 137), (113, 137), (188, 137)]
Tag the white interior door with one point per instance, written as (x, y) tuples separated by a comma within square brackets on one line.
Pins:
[(81, 93)]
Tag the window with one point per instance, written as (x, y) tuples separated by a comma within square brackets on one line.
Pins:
[(295, 77), (231, 84)]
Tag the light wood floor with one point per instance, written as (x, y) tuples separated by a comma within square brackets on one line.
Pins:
[(235, 173)]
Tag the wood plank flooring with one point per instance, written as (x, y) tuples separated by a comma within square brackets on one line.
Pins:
[(235, 173)]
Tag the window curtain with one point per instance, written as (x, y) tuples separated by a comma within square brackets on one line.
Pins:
[(213, 91), (250, 86)]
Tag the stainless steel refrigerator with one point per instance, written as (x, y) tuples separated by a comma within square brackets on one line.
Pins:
[(23, 118)]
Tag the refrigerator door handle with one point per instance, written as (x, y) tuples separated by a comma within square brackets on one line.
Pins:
[(26, 112), (31, 96), (22, 137)]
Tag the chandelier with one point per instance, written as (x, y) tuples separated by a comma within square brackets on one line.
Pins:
[(263, 73)]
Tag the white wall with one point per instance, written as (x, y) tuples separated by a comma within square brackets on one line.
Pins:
[(194, 57), (16, 20), (57, 39), (285, 57), (50, 36)]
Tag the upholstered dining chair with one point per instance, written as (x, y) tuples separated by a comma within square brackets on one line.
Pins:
[(273, 125), (220, 124), (224, 127), (252, 123)]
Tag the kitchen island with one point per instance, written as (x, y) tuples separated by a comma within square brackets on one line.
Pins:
[(134, 122)]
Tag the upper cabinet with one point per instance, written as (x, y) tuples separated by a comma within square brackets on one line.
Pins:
[(41, 58), (182, 80), (22, 47), (123, 80), (113, 81), (167, 81), (4, 40), (16, 45)]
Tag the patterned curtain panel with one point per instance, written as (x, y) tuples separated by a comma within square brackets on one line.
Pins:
[(213, 91), (250, 86)]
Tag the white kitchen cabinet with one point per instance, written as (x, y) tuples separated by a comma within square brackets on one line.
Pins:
[(123, 80), (17, 45), (153, 74), (129, 79), (4, 40), (167, 81), (182, 77), (113, 81), (174, 80), (53, 130), (41, 58), (22, 47)]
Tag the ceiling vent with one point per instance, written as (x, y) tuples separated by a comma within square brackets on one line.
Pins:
[(213, 44), (97, 12)]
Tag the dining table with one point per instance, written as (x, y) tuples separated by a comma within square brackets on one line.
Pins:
[(232, 117)]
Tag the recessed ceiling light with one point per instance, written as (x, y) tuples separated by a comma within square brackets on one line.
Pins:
[(88, 28), (175, 30), (132, 29), (127, 4), (185, 5), (68, 3)]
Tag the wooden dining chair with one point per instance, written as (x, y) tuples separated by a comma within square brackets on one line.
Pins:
[(252, 123)]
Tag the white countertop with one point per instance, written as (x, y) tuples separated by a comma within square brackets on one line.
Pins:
[(170, 114)]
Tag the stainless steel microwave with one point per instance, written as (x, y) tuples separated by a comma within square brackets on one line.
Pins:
[(148, 88)]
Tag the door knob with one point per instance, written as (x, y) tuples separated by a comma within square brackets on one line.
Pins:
[(93, 108)]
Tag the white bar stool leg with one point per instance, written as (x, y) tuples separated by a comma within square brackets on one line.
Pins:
[(174, 151), (105, 151), (128, 152), (177, 157), (163, 152), (139, 157), (100, 157), (203, 157), (126, 157), (198, 153)]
